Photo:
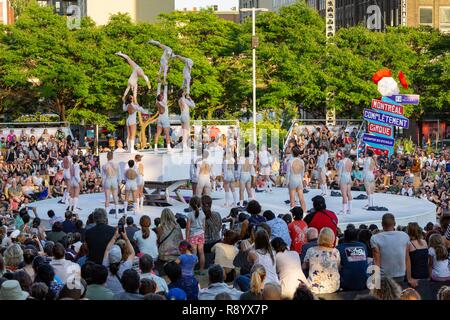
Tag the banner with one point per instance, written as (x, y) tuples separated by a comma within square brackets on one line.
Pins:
[(401, 122), (368, 138)]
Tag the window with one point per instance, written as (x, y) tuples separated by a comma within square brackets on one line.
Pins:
[(426, 16), (216, 7), (444, 19)]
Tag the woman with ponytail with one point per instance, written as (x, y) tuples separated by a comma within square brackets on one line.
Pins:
[(438, 259), (146, 238), (258, 275), (195, 230)]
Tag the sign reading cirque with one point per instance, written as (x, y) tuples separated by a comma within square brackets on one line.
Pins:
[(387, 107), (380, 129)]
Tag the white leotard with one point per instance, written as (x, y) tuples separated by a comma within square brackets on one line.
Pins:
[(132, 117), (110, 176)]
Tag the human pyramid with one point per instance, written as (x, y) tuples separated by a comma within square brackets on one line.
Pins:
[(131, 106)]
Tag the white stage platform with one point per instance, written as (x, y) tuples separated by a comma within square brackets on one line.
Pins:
[(158, 166), (405, 209)]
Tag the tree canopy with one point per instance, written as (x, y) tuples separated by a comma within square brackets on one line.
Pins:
[(45, 67)]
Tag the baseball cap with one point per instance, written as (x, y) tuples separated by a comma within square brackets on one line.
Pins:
[(115, 254), (176, 294), (15, 234)]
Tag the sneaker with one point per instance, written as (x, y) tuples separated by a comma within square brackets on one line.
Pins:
[(287, 201), (366, 207), (122, 210), (61, 202), (305, 190), (112, 211)]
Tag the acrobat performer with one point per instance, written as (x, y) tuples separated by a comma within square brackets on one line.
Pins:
[(111, 180), (345, 182), (165, 58), (130, 105), (188, 64), (369, 177), (184, 104), (133, 80), (163, 118)]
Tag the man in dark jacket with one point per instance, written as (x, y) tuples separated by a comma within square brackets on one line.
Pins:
[(98, 237)]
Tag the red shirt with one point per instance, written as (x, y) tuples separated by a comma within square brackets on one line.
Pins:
[(322, 219), (297, 231)]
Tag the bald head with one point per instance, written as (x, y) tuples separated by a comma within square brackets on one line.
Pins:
[(311, 234), (272, 291)]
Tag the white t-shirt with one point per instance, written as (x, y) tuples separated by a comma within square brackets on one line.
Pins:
[(440, 268), (290, 272), (225, 254), (147, 246)]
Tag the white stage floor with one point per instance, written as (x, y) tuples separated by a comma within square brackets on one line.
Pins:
[(405, 209)]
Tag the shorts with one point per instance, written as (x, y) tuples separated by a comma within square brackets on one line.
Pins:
[(369, 178), (345, 179), (140, 180), (229, 176), (131, 185), (185, 118), (197, 239), (111, 184), (163, 122), (295, 182), (66, 174), (131, 120), (245, 177), (74, 183)]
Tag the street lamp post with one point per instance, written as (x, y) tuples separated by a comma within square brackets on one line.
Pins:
[(254, 46)]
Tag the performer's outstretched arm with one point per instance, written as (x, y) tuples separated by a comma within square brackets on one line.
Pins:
[(126, 57), (189, 102)]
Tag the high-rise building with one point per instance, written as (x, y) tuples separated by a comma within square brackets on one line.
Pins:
[(143, 10), (413, 13), (268, 4), (6, 12)]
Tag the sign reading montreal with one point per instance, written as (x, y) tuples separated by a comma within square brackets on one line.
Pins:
[(387, 107), (401, 122)]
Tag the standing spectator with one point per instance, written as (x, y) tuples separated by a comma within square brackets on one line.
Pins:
[(418, 252), (321, 217), (213, 224), (146, 238), (297, 230), (391, 251), (195, 230), (353, 255), (289, 268), (98, 237), (169, 237), (323, 262)]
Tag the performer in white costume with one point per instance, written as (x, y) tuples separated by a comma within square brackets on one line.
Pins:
[(75, 182), (265, 161), (133, 80), (294, 178), (229, 180), (345, 182), (111, 180), (185, 103), (245, 177), (369, 177), (322, 169), (188, 64), (165, 58), (204, 174), (66, 164), (130, 105), (163, 118), (131, 186), (139, 167)]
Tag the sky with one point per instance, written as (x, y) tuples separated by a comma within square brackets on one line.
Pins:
[(224, 5)]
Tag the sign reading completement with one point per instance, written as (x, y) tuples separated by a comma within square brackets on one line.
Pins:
[(378, 140), (401, 122)]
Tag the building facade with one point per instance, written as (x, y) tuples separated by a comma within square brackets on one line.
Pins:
[(143, 10), (268, 4), (435, 13), (6, 12)]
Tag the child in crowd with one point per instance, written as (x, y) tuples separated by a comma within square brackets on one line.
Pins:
[(186, 260)]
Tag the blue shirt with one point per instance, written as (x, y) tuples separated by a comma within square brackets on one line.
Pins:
[(188, 285), (188, 262), (280, 229), (354, 265), (69, 226)]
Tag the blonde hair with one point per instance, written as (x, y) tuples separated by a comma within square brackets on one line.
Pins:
[(13, 255), (326, 238), (444, 293), (257, 278), (168, 221), (439, 247)]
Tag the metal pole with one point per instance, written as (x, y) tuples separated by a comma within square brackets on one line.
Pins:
[(254, 75)]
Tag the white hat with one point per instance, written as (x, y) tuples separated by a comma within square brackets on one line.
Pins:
[(11, 290), (15, 234), (115, 254)]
